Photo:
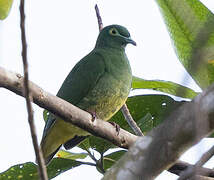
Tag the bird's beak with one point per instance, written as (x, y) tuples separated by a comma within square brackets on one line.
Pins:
[(129, 40)]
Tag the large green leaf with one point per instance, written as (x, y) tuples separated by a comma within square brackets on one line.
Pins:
[(191, 27), (5, 6), (164, 86), (28, 170), (147, 110)]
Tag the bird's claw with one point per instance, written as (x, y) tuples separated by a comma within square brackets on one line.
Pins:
[(93, 114), (117, 127)]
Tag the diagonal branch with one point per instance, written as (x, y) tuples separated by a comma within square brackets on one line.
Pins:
[(181, 166), (39, 156), (68, 112), (191, 171)]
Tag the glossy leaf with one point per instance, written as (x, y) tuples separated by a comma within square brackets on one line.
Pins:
[(164, 86), (191, 28), (5, 6)]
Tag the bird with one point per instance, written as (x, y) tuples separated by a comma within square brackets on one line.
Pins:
[(99, 84)]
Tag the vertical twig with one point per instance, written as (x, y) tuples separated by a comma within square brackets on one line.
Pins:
[(131, 121), (124, 109), (99, 19), (39, 157)]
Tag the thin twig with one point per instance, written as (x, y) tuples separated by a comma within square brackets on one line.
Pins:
[(205, 157), (99, 164), (181, 166), (99, 19), (131, 121), (39, 157), (88, 163), (91, 155), (193, 170)]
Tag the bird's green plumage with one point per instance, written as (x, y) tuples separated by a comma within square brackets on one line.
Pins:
[(99, 83)]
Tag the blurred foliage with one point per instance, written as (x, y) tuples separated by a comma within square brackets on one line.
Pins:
[(5, 6), (191, 28)]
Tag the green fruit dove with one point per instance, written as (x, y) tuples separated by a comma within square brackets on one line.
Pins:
[(99, 83)]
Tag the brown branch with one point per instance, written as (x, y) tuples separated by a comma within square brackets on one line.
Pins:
[(131, 121), (191, 171), (66, 111), (99, 19), (38, 152), (206, 156), (161, 148), (181, 166)]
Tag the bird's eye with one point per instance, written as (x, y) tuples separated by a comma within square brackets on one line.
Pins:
[(113, 31)]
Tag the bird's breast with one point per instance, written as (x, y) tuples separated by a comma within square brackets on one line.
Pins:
[(110, 92)]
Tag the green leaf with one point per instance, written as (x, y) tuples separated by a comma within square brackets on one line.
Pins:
[(191, 27), (60, 165), (70, 155), (28, 170), (5, 6), (147, 110), (164, 86), (100, 145), (85, 145), (110, 159)]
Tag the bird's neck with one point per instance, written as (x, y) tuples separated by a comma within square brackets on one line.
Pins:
[(109, 45)]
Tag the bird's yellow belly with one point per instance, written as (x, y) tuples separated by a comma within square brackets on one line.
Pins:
[(106, 98)]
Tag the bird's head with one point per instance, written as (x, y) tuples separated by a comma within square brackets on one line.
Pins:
[(114, 36)]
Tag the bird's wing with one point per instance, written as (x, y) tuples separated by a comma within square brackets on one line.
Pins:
[(79, 82), (83, 78)]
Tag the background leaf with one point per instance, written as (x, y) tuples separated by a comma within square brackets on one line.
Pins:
[(28, 170), (5, 6), (191, 28), (164, 86)]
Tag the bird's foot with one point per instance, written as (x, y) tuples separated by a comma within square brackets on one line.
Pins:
[(93, 114), (117, 127)]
